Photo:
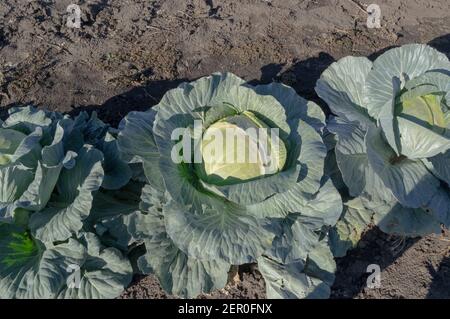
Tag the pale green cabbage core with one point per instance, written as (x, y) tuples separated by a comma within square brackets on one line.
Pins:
[(424, 109), (240, 148), (425, 121)]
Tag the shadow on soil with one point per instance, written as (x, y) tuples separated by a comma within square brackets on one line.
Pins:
[(302, 75), (440, 286), (375, 247), (442, 44), (137, 99)]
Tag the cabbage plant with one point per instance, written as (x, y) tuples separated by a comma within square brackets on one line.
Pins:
[(51, 166), (197, 218), (392, 131)]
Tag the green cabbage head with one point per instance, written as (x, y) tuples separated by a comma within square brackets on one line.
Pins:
[(50, 168), (209, 203), (392, 130)]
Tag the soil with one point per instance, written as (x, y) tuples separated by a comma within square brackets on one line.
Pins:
[(410, 268), (250, 286), (128, 53)]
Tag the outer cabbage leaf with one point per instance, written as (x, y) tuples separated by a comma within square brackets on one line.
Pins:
[(404, 221), (353, 162), (14, 181), (296, 107), (47, 173), (440, 166), (410, 182), (215, 90), (440, 80), (112, 203), (105, 272), (27, 119), (421, 142), (225, 231), (325, 205), (353, 222), (28, 269), (311, 278), (117, 171), (112, 215), (64, 215), (439, 206), (179, 274), (390, 216), (341, 86), (137, 144), (92, 131), (29, 168), (300, 264)]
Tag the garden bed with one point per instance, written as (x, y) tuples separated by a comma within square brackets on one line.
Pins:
[(129, 53)]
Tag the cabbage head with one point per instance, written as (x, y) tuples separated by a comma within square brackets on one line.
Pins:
[(51, 166), (197, 218), (392, 135)]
